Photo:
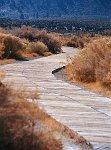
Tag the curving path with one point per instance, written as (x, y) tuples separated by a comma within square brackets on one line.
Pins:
[(81, 110)]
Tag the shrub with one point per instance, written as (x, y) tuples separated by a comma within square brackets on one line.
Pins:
[(41, 43), (26, 32), (1, 50), (12, 46), (107, 80), (79, 41), (52, 43), (47, 54), (2, 37), (76, 42), (2, 30), (37, 47), (71, 44), (93, 63), (34, 35)]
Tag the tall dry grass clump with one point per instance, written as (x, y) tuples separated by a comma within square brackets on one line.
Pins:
[(93, 63), (10, 46), (1, 50), (76, 42), (80, 41)]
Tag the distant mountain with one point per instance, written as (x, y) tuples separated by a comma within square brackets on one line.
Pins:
[(78, 9)]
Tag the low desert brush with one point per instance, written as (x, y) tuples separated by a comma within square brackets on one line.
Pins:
[(79, 41), (12, 46), (52, 43), (1, 50), (93, 63), (36, 47), (34, 35), (76, 42)]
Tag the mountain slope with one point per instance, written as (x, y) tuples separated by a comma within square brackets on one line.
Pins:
[(32, 9)]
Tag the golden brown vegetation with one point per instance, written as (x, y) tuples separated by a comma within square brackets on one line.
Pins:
[(7, 61), (37, 47), (93, 64), (34, 35), (53, 44), (26, 42), (80, 41), (12, 45)]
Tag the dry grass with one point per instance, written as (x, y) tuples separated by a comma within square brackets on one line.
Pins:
[(13, 48), (27, 42), (96, 87), (76, 42), (10, 46), (34, 35), (47, 54), (93, 64), (7, 61), (37, 47), (80, 41), (53, 44), (1, 50), (28, 55)]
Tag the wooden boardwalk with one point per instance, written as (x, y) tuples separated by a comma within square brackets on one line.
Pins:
[(81, 110)]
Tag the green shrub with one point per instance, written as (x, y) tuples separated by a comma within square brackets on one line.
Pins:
[(37, 47), (52, 43)]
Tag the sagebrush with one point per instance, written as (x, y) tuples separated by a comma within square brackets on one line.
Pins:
[(93, 63)]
